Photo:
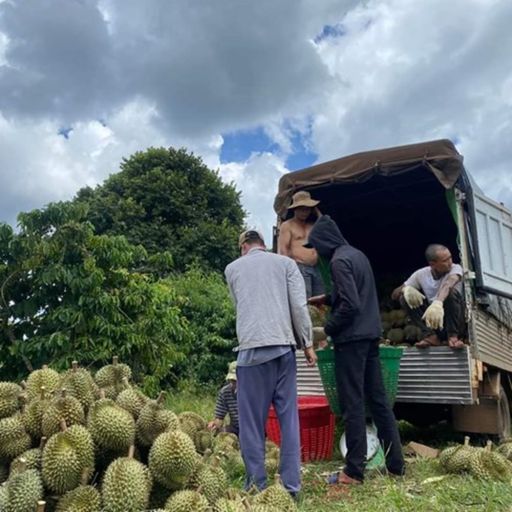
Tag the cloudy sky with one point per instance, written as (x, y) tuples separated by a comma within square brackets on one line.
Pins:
[(255, 88)]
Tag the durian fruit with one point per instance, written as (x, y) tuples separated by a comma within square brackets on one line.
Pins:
[(110, 377), (62, 407), (446, 455), (80, 384), (131, 399), (317, 316), (34, 412), (172, 459), (84, 498), (24, 490), (386, 317), (386, 326), (397, 317), (126, 485), (66, 457), (211, 479), (4, 497), (203, 440), (46, 377), (153, 420), (225, 440), (271, 466), (187, 501), (264, 508), (14, 440), (9, 394), (396, 335), (111, 426), (489, 465), (229, 505), (505, 449), (460, 459), (31, 459), (276, 496), (191, 422), (412, 333)]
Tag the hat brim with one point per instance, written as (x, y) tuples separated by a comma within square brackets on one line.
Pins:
[(310, 203)]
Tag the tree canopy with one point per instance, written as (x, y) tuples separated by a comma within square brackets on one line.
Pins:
[(67, 293), (169, 200)]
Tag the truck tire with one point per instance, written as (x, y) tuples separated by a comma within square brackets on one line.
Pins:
[(504, 415)]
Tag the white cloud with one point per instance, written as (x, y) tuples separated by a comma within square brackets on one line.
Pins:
[(166, 72)]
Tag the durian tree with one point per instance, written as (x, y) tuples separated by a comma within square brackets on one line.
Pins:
[(169, 200), (67, 293)]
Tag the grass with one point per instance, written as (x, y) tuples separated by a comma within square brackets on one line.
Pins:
[(425, 488)]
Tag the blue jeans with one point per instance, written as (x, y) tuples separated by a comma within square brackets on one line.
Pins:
[(312, 280), (273, 382)]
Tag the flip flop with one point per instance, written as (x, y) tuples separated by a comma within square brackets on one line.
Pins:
[(332, 479)]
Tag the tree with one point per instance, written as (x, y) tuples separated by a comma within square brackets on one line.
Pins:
[(67, 293), (205, 302), (168, 200)]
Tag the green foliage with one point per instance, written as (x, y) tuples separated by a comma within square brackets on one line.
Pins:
[(204, 300), (66, 293), (168, 200)]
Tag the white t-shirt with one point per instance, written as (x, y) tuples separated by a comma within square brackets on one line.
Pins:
[(424, 281)]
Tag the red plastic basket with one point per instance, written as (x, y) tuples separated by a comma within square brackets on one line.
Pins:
[(316, 428)]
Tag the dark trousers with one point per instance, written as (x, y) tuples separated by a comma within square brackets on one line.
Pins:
[(359, 377), (273, 382), (454, 317)]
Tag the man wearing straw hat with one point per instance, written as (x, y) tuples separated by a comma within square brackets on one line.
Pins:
[(226, 404), (292, 235)]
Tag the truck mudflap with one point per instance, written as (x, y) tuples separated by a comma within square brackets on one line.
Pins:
[(436, 375)]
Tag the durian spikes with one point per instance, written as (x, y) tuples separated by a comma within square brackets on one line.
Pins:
[(41, 505), (22, 465)]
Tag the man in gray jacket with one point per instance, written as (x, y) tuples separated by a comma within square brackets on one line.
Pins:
[(272, 319)]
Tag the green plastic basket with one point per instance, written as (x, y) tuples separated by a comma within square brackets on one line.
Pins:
[(390, 364)]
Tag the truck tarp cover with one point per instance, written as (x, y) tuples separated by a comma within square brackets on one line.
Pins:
[(439, 156)]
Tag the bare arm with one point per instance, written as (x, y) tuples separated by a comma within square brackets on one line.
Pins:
[(284, 240), (447, 286)]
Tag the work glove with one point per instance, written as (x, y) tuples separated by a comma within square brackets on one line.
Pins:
[(434, 315), (413, 297)]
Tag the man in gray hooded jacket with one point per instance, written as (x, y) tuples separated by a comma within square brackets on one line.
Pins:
[(355, 328)]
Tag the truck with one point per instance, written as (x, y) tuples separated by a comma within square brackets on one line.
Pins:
[(391, 203)]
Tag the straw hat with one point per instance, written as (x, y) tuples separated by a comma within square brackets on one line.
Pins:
[(302, 198), (231, 375)]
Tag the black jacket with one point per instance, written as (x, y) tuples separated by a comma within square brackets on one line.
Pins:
[(355, 311)]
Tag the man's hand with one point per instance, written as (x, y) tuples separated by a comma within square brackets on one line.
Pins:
[(317, 300), (311, 356), (434, 315), (215, 424), (413, 297)]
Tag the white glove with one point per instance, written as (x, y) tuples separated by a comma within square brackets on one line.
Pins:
[(434, 315), (413, 297)]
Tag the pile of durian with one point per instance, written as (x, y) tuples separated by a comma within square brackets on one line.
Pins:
[(72, 442), (396, 329), (483, 463)]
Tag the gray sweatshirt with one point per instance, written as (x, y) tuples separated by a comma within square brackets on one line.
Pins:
[(270, 298)]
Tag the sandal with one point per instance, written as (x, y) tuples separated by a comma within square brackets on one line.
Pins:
[(340, 477)]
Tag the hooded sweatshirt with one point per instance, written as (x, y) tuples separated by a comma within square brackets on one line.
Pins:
[(355, 311)]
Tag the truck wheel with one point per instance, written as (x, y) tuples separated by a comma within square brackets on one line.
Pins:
[(504, 416)]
